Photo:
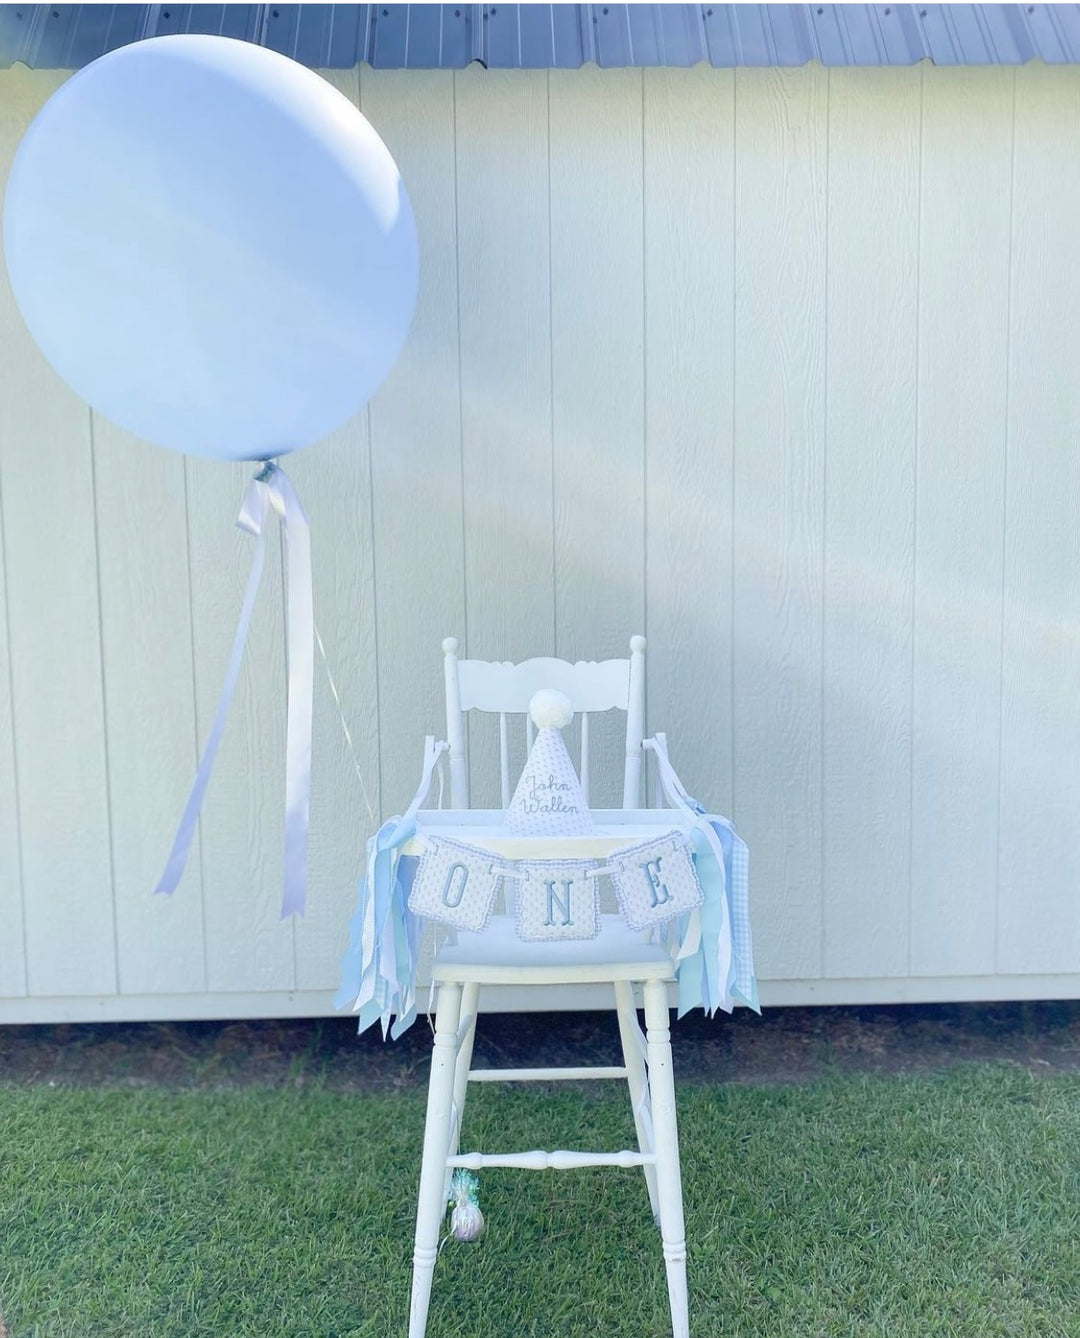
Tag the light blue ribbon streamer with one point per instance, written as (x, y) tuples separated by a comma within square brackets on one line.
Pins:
[(736, 865), (378, 972), (722, 971), (270, 490)]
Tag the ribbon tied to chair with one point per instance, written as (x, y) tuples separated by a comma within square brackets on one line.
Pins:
[(269, 492)]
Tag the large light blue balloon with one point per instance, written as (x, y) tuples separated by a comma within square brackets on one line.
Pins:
[(211, 245)]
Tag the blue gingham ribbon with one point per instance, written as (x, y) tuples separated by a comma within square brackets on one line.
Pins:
[(722, 970)]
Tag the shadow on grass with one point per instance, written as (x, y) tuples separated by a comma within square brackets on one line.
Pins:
[(784, 1045)]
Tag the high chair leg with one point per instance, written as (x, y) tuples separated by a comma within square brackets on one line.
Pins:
[(431, 1204), (470, 998), (633, 1044), (665, 1131)]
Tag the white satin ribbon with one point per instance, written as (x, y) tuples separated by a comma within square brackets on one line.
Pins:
[(270, 490)]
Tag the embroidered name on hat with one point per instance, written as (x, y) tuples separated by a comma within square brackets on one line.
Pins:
[(549, 796)]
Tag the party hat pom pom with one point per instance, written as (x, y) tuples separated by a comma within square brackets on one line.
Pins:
[(466, 1221), (550, 709)]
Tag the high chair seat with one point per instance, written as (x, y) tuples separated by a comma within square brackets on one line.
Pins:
[(499, 957)]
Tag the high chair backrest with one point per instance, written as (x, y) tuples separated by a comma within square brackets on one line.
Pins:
[(506, 689)]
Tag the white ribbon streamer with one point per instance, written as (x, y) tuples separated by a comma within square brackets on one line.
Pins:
[(270, 490)]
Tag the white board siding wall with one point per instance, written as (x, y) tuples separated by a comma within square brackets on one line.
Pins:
[(776, 366)]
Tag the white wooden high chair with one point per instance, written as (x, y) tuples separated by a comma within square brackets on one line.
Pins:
[(497, 957)]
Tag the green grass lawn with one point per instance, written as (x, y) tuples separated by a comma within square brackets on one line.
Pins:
[(857, 1206)]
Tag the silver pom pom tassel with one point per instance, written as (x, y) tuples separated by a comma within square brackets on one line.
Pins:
[(466, 1221)]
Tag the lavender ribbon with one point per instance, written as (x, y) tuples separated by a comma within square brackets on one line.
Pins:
[(270, 490)]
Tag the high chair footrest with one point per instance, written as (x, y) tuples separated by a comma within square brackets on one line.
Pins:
[(544, 1075), (554, 1161)]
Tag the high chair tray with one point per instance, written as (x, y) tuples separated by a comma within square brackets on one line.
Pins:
[(483, 827)]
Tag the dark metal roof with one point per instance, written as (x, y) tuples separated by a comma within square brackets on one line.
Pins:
[(563, 36)]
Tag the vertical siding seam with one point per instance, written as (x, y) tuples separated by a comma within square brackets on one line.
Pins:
[(824, 529), (1004, 528), (734, 419), (195, 719), (104, 706), (644, 409), (915, 512), (374, 549), (14, 749), (374, 617), (461, 411), (283, 567), (374, 582), (551, 386), (464, 570)]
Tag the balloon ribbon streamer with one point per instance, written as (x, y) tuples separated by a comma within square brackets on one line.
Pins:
[(270, 490)]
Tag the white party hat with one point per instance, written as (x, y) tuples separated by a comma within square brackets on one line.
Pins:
[(548, 800)]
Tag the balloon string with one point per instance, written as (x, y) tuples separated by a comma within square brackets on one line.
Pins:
[(344, 725), (337, 702)]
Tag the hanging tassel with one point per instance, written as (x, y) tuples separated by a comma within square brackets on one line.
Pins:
[(466, 1221)]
